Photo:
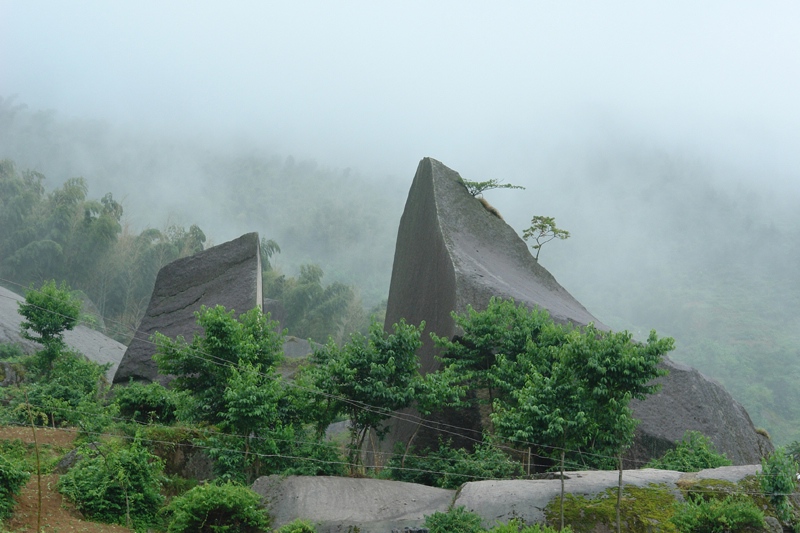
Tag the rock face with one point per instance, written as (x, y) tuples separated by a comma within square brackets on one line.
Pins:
[(93, 344), (337, 505), (228, 274), (688, 400), (452, 252)]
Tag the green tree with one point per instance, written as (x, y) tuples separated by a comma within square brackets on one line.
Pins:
[(47, 313), (478, 187), (205, 366), (543, 230), (778, 481), (368, 378), (229, 373), (559, 387), (312, 310), (116, 485)]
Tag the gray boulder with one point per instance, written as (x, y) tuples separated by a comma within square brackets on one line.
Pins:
[(91, 343), (339, 504), (453, 252), (688, 400), (228, 274)]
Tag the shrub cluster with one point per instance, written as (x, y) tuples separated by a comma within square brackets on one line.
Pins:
[(693, 453), (448, 467)]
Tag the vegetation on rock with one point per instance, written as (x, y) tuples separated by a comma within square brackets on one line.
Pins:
[(693, 453)]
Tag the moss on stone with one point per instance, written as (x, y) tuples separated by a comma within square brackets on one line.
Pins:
[(707, 489), (642, 510)]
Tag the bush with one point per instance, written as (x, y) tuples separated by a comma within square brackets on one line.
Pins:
[(297, 526), (778, 481), (457, 520), (69, 395), (732, 514), (12, 478), (116, 486), (146, 403), (217, 508), (518, 526), (450, 468), (693, 453)]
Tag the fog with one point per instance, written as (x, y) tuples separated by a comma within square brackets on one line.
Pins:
[(664, 137)]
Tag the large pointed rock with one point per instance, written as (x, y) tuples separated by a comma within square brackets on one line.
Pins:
[(452, 252), (228, 274)]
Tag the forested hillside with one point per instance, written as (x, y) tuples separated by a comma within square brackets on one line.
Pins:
[(659, 240)]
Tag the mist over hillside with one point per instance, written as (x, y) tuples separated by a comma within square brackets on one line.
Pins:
[(665, 240)]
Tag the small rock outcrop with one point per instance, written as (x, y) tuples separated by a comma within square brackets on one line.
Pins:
[(93, 344), (228, 274), (451, 252)]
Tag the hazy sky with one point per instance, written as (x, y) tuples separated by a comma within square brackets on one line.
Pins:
[(382, 84)]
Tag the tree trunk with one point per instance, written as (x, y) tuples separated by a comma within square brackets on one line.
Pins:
[(562, 490), (619, 491)]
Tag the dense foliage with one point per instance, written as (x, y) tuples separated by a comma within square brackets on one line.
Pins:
[(731, 514), (12, 478), (217, 508), (449, 467), (779, 481), (117, 485), (693, 453), (456, 520), (368, 378), (229, 377)]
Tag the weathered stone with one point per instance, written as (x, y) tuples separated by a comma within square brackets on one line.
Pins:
[(228, 275), (452, 252), (91, 343), (338, 504), (688, 400)]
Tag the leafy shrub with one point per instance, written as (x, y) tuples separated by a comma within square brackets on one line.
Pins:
[(217, 508), (146, 403), (116, 486), (731, 514), (778, 481), (457, 520), (450, 468), (12, 478), (297, 526), (69, 395), (10, 351), (518, 526), (693, 453)]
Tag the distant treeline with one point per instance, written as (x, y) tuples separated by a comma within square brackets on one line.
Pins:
[(63, 234)]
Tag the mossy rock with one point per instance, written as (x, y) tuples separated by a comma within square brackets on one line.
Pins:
[(707, 489), (642, 510)]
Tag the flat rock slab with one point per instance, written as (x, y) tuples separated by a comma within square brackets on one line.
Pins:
[(93, 344), (337, 504), (526, 499), (228, 275)]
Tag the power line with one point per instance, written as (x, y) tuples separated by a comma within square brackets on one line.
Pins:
[(439, 427)]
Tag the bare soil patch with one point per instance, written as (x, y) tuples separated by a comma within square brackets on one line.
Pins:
[(57, 515)]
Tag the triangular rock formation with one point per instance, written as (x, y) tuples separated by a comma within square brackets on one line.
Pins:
[(452, 252), (228, 274)]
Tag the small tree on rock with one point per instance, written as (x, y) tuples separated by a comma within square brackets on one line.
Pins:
[(543, 230)]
